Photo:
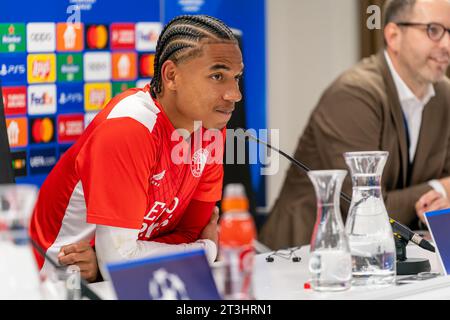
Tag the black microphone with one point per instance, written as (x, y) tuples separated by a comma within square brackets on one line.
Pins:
[(398, 228), (85, 290)]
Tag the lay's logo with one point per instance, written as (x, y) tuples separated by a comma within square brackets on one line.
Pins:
[(41, 68), (96, 95)]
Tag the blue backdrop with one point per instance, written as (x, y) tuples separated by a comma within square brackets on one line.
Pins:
[(247, 16)]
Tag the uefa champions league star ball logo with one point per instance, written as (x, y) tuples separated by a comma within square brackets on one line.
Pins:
[(167, 286), (198, 162)]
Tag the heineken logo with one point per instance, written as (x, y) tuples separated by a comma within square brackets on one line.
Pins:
[(12, 37), (70, 68)]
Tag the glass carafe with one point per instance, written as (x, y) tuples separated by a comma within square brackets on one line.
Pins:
[(369, 231), (330, 261), (19, 277)]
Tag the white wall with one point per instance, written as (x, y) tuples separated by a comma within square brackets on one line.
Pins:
[(310, 42)]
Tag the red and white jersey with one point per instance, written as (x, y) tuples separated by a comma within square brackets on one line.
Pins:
[(120, 173)]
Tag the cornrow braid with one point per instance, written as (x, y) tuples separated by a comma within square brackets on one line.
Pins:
[(180, 39)]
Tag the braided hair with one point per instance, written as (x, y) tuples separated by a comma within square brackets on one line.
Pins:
[(180, 40)]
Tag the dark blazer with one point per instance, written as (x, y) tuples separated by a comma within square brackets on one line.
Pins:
[(361, 111)]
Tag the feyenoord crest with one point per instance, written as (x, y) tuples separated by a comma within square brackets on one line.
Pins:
[(198, 162)]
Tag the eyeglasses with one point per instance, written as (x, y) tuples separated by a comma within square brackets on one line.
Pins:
[(435, 31)]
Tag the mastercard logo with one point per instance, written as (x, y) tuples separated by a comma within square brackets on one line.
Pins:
[(97, 36), (42, 130), (146, 65)]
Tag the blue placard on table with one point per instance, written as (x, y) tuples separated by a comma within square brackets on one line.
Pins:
[(181, 276), (439, 226)]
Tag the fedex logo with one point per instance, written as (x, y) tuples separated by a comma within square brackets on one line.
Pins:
[(151, 220), (147, 34), (45, 98), (41, 99)]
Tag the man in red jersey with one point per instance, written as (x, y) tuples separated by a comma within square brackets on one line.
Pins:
[(122, 181)]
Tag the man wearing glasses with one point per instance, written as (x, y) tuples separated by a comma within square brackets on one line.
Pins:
[(397, 101)]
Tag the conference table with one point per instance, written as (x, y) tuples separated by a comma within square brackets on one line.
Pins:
[(284, 279)]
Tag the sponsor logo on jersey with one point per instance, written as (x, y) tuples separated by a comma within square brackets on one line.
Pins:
[(124, 66), (96, 95), (97, 66), (157, 178), (12, 37), (158, 217), (70, 127), (147, 34), (69, 37), (15, 100), (17, 132), (122, 36), (41, 68), (41, 37), (41, 99)]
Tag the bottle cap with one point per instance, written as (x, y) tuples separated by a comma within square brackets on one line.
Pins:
[(234, 198)]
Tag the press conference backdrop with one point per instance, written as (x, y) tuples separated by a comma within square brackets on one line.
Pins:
[(6, 174), (57, 76)]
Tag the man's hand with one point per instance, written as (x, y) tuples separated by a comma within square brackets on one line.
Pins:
[(446, 184), (211, 230), (431, 201), (82, 255)]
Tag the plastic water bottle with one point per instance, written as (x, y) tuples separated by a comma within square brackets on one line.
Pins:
[(236, 247)]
